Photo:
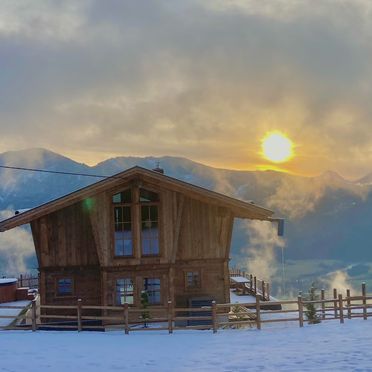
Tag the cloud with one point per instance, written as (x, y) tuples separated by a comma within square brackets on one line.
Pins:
[(16, 247), (297, 196), (42, 20), (201, 79)]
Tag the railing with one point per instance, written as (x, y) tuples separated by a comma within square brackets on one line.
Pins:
[(28, 280), (231, 315), (255, 286)]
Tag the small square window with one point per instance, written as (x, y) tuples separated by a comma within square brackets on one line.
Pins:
[(65, 287), (192, 279)]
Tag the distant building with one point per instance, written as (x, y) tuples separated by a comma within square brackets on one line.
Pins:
[(138, 230)]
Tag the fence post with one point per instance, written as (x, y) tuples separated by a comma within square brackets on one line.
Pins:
[(341, 307), (214, 316), (21, 280), (126, 318), (364, 293), (263, 289), (258, 315), (255, 285), (79, 315), (251, 282), (335, 301), (348, 304), (300, 311), (268, 291), (322, 297), (33, 314), (170, 317)]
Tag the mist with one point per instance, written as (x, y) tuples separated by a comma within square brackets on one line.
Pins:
[(16, 248), (262, 249)]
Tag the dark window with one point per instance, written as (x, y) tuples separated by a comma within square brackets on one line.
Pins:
[(148, 196), (123, 224), (149, 230), (149, 222), (65, 287), (192, 279), (152, 287), (122, 197), (124, 291)]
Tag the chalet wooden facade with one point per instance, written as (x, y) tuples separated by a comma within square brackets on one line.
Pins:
[(138, 230)]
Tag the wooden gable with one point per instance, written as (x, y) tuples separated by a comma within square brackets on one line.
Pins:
[(236, 207)]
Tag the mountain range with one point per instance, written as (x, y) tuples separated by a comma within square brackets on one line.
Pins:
[(327, 217)]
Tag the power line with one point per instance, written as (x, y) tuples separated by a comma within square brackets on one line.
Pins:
[(56, 172)]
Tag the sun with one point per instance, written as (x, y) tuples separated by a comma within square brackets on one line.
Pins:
[(277, 147)]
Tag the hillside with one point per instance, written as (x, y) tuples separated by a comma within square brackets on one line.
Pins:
[(327, 217)]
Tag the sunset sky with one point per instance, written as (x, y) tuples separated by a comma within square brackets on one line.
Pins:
[(203, 79)]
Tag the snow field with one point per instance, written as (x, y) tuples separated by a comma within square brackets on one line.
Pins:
[(322, 347)]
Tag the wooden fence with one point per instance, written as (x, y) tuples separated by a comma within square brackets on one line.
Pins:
[(254, 285), (232, 315)]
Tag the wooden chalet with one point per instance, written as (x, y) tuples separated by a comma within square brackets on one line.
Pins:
[(138, 230)]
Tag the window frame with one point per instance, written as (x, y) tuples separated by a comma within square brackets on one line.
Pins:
[(141, 239), (61, 295), (131, 205), (186, 282), (133, 291), (160, 289), (136, 220)]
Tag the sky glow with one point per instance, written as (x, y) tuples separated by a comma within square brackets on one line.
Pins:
[(201, 79)]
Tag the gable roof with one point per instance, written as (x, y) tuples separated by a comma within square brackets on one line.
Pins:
[(239, 208)]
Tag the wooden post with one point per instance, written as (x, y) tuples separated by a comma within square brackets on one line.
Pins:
[(322, 297), (364, 293), (21, 280), (126, 318), (79, 315), (214, 316), (33, 314), (258, 315), (335, 301), (255, 285), (341, 307), (348, 304), (251, 282), (263, 289), (300, 311), (170, 317), (268, 291)]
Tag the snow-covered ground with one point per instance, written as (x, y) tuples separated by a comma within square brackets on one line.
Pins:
[(322, 347), (11, 312)]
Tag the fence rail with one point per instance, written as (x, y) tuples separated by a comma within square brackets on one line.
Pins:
[(230, 315)]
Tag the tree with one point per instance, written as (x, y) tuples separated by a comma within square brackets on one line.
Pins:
[(311, 310), (145, 304)]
